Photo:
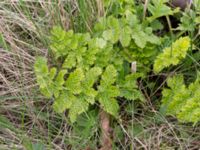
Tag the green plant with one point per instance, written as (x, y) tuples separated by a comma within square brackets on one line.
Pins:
[(93, 68), (86, 73), (121, 37), (172, 55), (158, 8), (85, 130), (182, 101)]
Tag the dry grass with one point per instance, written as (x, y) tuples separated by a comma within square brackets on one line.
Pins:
[(25, 27)]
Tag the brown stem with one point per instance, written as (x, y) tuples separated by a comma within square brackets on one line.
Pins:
[(145, 8), (100, 8), (106, 140)]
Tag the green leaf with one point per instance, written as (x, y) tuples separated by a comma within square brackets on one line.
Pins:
[(158, 8), (100, 42), (108, 92), (63, 102), (110, 105), (172, 55), (52, 73), (73, 83), (140, 38), (59, 81), (40, 65), (108, 35), (90, 95), (129, 88), (125, 36), (109, 76), (44, 77), (86, 126), (78, 107), (70, 61), (91, 76), (187, 21), (74, 42), (181, 101)]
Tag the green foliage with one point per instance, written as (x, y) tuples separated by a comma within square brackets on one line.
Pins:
[(119, 7), (134, 38), (158, 8), (88, 71), (79, 82), (141, 35), (49, 80), (172, 55), (128, 88), (108, 92), (78, 92), (44, 76), (181, 101), (94, 68), (85, 129), (188, 21), (126, 28)]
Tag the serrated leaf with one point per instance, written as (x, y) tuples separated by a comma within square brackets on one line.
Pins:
[(110, 105), (78, 107), (47, 92), (181, 101), (73, 83), (101, 43), (59, 81), (58, 33), (90, 95), (139, 37), (158, 8), (74, 43), (40, 65), (44, 77), (125, 36), (129, 89), (188, 21), (63, 102), (108, 35), (108, 92), (70, 61), (52, 73), (172, 55), (109, 76), (91, 76)]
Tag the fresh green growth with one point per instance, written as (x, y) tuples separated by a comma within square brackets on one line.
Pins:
[(85, 128), (129, 31), (86, 73), (91, 67), (182, 101), (108, 92), (158, 8), (172, 55)]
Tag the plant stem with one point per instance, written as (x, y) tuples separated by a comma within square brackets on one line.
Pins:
[(105, 128)]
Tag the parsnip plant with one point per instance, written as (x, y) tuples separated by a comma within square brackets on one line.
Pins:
[(182, 101), (90, 69), (172, 55), (94, 68)]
